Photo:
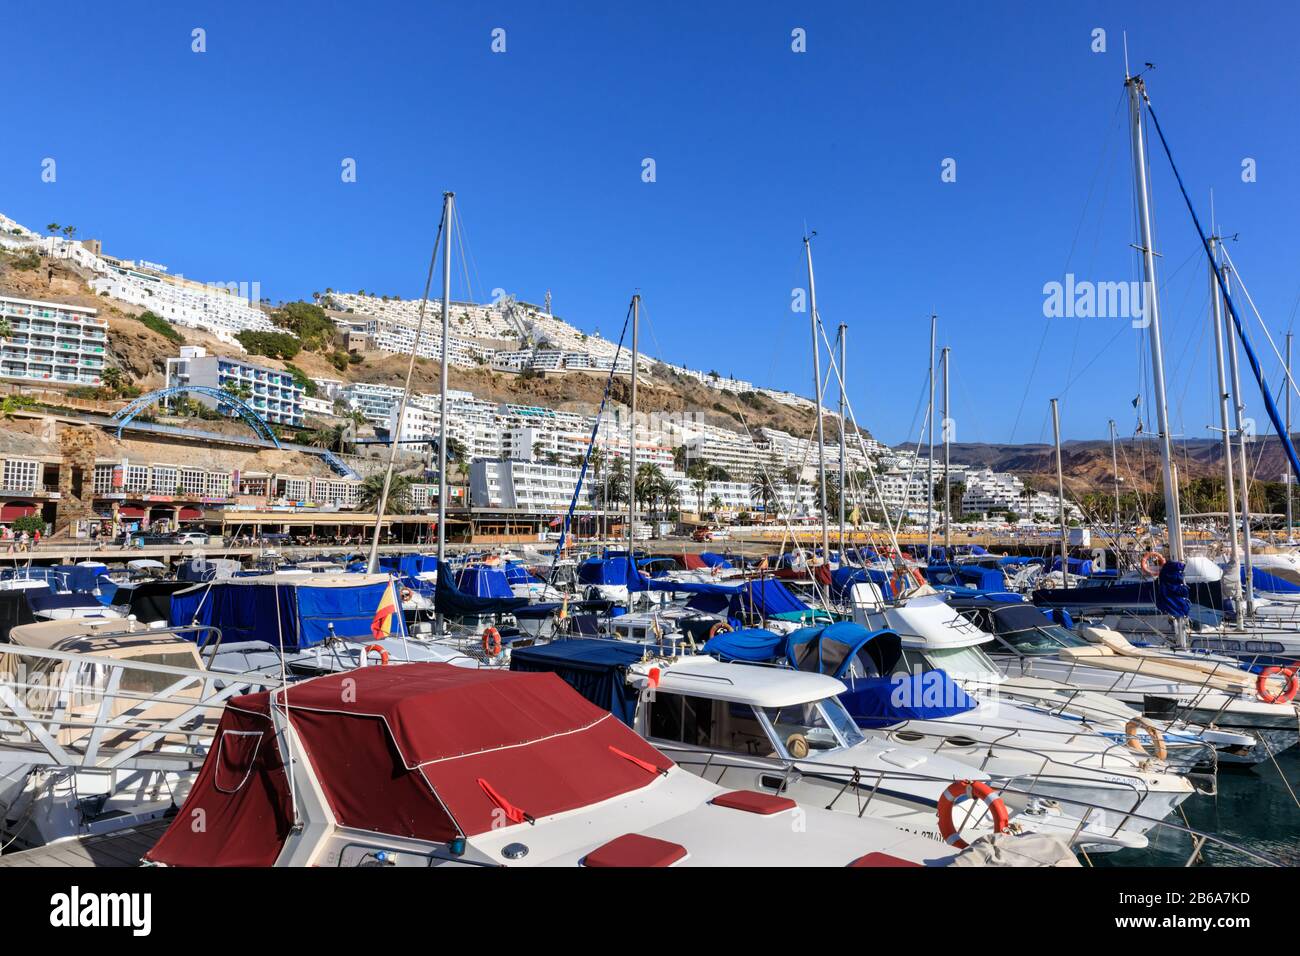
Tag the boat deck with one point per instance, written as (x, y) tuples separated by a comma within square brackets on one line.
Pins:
[(122, 848)]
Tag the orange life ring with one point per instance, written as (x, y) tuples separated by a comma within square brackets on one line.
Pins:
[(383, 654), (491, 642), (1157, 738), (407, 594), (897, 581), (1151, 563), (974, 790), (1286, 693), (722, 627)]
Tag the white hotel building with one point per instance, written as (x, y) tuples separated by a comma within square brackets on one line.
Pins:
[(273, 394), (51, 343)]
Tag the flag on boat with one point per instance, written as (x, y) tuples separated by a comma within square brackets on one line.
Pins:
[(382, 625)]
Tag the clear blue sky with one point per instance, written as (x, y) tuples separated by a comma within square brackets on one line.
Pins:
[(226, 166)]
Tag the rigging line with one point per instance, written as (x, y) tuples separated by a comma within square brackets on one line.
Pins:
[(1258, 318), (438, 239), (1269, 407)]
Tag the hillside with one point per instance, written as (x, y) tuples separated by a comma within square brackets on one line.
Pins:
[(141, 354)]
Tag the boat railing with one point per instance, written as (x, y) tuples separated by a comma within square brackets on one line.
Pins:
[(865, 784), (84, 711)]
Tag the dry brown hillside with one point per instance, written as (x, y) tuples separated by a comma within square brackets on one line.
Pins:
[(141, 353)]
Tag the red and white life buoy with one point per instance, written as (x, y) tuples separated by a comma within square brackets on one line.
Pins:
[(722, 627), (491, 642), (1288, 690), (383, 654), (1151, 563), (970, 790)]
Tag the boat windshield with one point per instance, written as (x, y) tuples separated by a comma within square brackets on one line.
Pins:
[(959, 662), (1029, 632), (819, 725)]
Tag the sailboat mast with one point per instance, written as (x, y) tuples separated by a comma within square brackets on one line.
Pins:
[(1060, 494), (947, 458), (631, 446), (444, 236), (1232, 576), (1289, 477), (444, 383), (929, 481), (844, 441), (817, 397), (1243, 463), (1173, 517)]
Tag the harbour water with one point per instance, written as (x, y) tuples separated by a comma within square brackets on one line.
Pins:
[(1254, 809)]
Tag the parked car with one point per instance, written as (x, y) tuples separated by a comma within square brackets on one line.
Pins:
[(192, 537)]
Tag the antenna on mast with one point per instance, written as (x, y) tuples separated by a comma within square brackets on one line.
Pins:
[(1127, 76)]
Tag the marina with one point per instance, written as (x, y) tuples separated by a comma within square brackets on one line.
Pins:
[(852, 441)]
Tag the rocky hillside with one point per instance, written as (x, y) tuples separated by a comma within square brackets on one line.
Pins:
[(141, 354)]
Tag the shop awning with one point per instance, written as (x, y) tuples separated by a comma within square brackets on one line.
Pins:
[(11, 512), (130, 512)]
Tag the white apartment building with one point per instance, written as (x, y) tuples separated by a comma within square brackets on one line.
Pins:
[(273, 394), (51, 343), (525, 486), (214, 308)]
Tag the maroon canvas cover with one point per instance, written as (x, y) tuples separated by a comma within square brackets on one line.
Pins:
[(238, 812), (540, 747), (424, 750)]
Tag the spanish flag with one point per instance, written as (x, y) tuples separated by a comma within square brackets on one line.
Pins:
[(382, 625)]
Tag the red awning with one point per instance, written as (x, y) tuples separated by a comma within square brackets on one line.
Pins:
[(190, 514), (10, 512), (130, 512)]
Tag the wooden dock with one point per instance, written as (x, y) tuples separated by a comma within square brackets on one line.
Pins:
[(122, 848)]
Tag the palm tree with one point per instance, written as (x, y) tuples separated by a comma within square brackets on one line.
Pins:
[(699, 475), (715, 505), (52, 228), (762, 491), (399, 494)]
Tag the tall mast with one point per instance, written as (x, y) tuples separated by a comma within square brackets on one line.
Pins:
[(443, 382), (1173, 517), (844, 441), (947, 458), (1289, 477), (817, 397), (929, 482), (1243, 466), (1060, 494), (1232, 576), (631, 446), (372, 561)]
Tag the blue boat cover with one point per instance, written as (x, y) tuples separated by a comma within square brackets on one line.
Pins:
[(1270, 582), (1171, 590), (595, 669), (604, 571), (296, 615), (481, 580), (883, 701), (832, 648), (714, 560), (765, 597), (453, 602), (42, 599), (1079, 566), (750, 644)]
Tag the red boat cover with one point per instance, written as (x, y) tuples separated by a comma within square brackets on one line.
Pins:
[(238, 811), (751, 801), (693, 562), (406, 749)]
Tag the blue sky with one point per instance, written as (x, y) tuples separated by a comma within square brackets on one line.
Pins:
[(226, 166)]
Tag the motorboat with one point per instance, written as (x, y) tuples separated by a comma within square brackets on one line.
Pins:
[(432, 765)]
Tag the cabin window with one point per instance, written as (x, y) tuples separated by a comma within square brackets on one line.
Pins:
[(703, 722)]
